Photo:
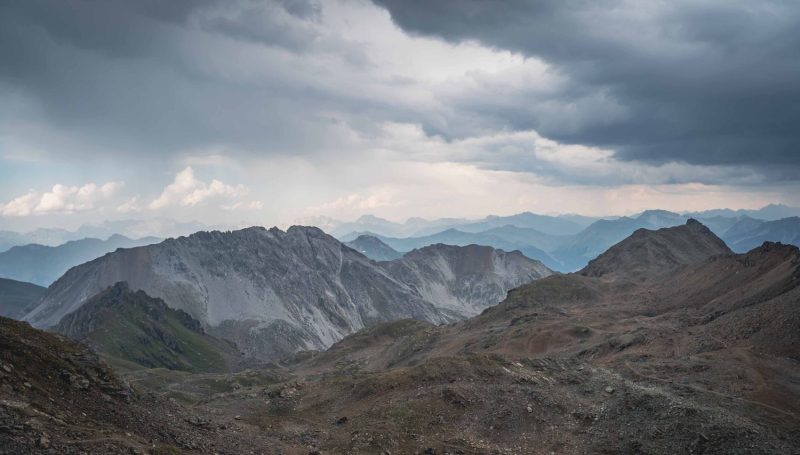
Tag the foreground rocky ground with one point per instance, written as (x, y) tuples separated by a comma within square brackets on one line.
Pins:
[(57, 397)]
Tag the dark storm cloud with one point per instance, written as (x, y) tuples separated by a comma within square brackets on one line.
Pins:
[(264, 22), (157, 77), (705, 84), (118, 28), (702, 82)]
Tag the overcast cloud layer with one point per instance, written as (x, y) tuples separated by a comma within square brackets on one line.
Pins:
[(273, 110)]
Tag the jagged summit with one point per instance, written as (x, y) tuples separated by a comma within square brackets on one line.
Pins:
[(773, 250), (476, 254), (270, 291), (648, 253), (274, 292)]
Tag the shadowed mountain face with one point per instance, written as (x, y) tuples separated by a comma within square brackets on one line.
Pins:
[(649, 254), (134, 330), (43, 265), (269, 291), (373, 248), (17, 297)]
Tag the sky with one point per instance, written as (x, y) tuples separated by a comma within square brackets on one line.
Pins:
[(279, 112)]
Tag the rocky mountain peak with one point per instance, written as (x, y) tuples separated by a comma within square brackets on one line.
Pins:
[(649, 253), (274, 292), (373, 248), (775, 250), (307, 231)]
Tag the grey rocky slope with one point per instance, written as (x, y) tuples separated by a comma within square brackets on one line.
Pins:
[(41, 264), (466, 279), (271, 292), (373, 248)]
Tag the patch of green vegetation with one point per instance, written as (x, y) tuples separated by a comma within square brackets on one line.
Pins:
[(133, 330), (165, 342)]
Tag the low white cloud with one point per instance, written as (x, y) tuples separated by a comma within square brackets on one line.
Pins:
[(186, 190), (61, 199), (357, 203), (244, 205), (129, 206), (21, 206)]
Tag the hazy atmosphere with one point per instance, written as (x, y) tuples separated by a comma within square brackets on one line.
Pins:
[(281, 112)]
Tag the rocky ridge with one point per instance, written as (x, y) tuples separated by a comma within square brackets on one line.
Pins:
[(269, 291)]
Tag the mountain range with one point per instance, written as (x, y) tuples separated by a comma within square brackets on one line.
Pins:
[(748, 233), (417, 227), (562, 242), (274, 292), (667, 342), (565, 224), (566, 252), (132, 228), (41, 264)]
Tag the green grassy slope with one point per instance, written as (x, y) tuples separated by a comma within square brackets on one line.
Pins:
[(131, 328)]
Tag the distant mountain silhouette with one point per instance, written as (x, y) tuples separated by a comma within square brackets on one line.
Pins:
[(18, 297), (42, 264), (373, 248), (749, 233)]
